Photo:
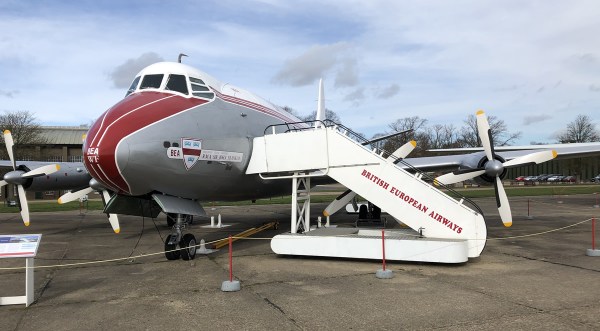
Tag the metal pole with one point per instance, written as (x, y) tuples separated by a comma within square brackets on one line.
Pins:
[(383, 247), (593, 233), (230, 259)]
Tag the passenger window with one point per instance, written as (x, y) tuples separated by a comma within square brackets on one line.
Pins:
[(177, 83), (133, 86), (151, 81)]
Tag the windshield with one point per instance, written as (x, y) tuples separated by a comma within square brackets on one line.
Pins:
[(177, 83), (133, 86), (151, 81)]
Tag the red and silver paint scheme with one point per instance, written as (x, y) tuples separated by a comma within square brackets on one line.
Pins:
[(132, 148)]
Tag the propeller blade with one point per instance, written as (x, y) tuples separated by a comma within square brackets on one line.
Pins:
[(8, 140), (72, 196), (502, 203), (338, 203), (23, 204), (538, 157), (483, 128), (112, 218), (403, 151), (114, 222), (455, 177), (41, 171)]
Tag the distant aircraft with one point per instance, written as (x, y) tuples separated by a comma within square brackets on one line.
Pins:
[(180, 137)]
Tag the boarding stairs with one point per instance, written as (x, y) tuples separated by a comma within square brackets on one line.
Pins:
[(439, 223)]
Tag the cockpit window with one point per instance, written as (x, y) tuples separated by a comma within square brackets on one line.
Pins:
[(151, 81), (177, 83), (199, 89), (133, 86)]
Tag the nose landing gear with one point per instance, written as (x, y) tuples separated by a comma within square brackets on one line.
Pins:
[(186, 242)]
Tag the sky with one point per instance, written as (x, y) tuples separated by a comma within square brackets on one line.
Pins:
[(533, 64)]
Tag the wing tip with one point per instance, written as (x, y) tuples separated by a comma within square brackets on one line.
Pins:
[(480, 112), (6, 131), (413, 143), (117, 230)]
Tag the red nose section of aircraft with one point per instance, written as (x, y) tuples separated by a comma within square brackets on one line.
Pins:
[(130, 115)]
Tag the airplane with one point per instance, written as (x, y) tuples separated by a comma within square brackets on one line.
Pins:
[(180, 137)]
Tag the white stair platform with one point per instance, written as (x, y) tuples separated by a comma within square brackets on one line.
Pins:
[(400, 245)]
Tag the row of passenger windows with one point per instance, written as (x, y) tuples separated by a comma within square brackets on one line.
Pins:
[(175, 82)]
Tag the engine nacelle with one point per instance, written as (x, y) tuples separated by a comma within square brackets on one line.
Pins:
[(478, 160)]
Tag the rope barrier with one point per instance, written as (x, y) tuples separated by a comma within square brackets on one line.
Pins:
[(246, 238)]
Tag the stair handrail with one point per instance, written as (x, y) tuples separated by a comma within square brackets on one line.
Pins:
[(306, 125)]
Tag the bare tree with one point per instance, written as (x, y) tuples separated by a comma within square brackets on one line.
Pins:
[(581, 130), (417, 125), (291, 111), (442, 136), (329, 114), (470, 138), (24, 127)]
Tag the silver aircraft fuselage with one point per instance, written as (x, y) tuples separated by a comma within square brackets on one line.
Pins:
[(182, 133)]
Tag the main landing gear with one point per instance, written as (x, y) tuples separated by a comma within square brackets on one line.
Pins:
[(186, 242)]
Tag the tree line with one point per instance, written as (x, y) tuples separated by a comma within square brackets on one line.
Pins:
[(441, 136)]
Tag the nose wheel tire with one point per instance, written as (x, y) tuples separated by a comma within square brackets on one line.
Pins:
[(171, 251), (188, 246)]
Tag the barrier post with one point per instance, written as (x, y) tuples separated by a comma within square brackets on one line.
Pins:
[(230, 285), (529, 217), (597, 205), (593, 251), (383, 273)]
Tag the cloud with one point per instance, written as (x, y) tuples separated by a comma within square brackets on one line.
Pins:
[(594, 88), (8, 94), (347, 75), (527, 120), (310, 66), (124, 74), (355, 97), (388, 92)]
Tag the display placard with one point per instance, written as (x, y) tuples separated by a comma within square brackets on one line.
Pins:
[(19, 245)]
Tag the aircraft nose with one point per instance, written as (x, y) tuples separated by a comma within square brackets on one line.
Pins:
[(106, 154)]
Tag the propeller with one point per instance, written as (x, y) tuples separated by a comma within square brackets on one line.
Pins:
[(339, 202), (494, 168), (348, 195), (94, 185), (19, 177)]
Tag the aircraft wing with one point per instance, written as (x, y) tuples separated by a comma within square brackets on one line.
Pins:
[(36, 164), (507, 152), (563, 149)]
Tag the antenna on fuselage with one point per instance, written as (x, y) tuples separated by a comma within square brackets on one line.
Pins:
[(180, 56)]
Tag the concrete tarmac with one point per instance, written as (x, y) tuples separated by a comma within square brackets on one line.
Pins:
[(537, 282)]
